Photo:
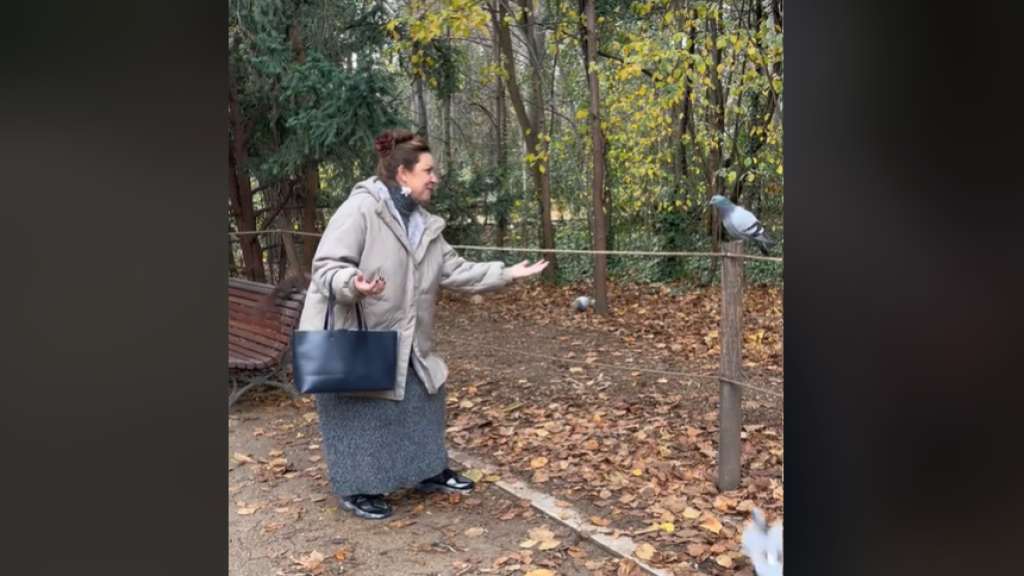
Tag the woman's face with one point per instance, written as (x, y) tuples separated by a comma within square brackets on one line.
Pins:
[(421, 180)]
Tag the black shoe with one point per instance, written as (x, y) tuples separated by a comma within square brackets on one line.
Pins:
[(448, 482), (370, 506)]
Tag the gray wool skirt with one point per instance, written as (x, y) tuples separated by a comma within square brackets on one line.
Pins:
[(376, 446)]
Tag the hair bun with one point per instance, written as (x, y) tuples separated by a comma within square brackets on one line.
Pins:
[(402, 136), (384, 144)]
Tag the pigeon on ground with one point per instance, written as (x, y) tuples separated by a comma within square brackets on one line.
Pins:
[(582, 303), (741, 224), (763, 545)]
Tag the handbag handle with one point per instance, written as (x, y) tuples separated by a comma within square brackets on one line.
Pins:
[(332, 300)]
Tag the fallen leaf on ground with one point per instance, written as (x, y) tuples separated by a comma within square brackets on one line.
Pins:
[(694, 549), (271, 527), (644, 551), (627, 567), (549, 544), (474, 532), (312, 561), (540, 572), (712, 524), (541, 534)]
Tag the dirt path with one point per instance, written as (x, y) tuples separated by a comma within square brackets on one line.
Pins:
[(282, 519)]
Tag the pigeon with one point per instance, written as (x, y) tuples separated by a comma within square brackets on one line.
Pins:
[(763, 545), (582, 303), (741, 224)]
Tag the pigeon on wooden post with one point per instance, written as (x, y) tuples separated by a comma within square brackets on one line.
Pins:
[(741, 224)]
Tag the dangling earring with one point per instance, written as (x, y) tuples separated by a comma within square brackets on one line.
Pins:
[(406, 190)]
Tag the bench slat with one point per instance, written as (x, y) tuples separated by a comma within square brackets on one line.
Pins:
[(257, 346), (288, 307), (261, 330), (258, 339), (248, 358)]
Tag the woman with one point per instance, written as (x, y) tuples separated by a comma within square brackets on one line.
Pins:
[(381, 248)]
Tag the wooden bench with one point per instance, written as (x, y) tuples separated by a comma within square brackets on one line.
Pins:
[(259, 341)]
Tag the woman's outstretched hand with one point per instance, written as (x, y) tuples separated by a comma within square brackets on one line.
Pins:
[(369, 288), (524, 269)]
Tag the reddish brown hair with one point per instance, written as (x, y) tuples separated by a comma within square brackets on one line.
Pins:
[(398, 148)]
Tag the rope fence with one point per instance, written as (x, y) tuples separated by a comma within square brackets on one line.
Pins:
[(549, 251), (730, 445), (714, 377)]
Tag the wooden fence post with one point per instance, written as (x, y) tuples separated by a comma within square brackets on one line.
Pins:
[(730, 416)]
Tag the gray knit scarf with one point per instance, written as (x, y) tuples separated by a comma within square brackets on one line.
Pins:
[(405, 209)]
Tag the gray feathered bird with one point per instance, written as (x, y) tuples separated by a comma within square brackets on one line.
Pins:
[(582, 303), (741, 224), (763, 545)]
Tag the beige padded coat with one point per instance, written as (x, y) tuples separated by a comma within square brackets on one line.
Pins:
[(367, 234)]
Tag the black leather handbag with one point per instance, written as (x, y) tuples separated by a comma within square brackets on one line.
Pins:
[(338, 361)]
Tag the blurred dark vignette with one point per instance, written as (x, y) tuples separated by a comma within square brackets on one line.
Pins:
[(899, 316)]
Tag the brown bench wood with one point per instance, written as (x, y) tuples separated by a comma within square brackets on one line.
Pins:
[(259, 340)]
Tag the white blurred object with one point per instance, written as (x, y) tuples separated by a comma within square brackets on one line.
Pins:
[(582, 303), (763, 545)]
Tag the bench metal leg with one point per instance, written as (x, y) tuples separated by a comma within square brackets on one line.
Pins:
[(274, 378)]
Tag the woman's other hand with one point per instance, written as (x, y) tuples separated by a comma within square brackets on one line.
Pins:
[(369, 288), (524, 269)]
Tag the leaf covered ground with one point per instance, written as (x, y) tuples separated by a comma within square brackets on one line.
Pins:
[(635, 450)]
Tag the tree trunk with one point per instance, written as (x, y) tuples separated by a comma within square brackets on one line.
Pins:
[(310, 175), (310, 190), (531, 130), (716, 97), (446, 129), (420, 107), (232, 261), (600, 240), (501, 154), (240, 187)]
